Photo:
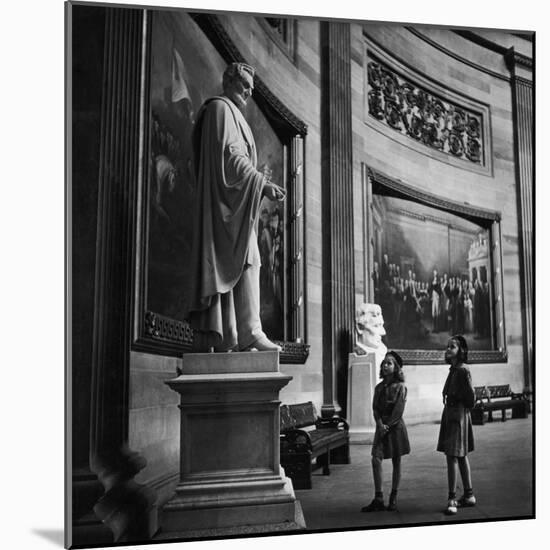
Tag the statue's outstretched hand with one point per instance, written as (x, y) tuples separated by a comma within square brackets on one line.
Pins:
[(274, 192)]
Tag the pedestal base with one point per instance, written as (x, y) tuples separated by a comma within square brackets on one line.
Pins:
[(296, 524), (362, 375), (230, 477), (361, 437)]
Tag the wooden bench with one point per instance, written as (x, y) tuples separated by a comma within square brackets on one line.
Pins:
[(498, 398), (305, 436)]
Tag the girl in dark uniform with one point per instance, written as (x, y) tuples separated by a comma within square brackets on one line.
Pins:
[(456, 437), (390, 439)]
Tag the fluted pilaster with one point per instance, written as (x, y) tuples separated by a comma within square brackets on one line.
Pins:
[(521, 69), (117, 193), (126, 506), (337, 211)]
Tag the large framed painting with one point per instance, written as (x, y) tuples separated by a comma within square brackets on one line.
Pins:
[(188, 53), (435, 268)]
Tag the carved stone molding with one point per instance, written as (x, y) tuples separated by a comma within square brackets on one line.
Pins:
[(427, 217), (165, 328), (401, 188), (461, 59), (517, 57), (174, 337), (422, 115), (215, 31), (523, 60), (293, 352), (437, 357), (282, 31), (517, 62)]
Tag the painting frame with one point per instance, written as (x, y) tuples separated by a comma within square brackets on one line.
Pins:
[(157, 333), (374, 180)]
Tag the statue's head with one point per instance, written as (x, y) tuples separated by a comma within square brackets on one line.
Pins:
[(238, 83), (370, 324)]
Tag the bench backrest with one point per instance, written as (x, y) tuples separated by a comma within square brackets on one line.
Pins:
[(492, 392), (481, 393), (299, 415), (503, 390)]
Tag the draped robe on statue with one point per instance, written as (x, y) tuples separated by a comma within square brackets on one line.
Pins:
[(224, 293)]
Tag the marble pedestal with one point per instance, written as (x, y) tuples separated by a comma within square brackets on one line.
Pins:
[(231, 480), (362, 377)]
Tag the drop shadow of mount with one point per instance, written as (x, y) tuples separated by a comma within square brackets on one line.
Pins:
[(57, 536)]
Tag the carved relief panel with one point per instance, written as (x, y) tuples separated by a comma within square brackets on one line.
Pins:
[(420, 113)]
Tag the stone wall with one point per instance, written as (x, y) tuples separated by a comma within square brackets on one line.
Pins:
[(477, 76), (154, 420)]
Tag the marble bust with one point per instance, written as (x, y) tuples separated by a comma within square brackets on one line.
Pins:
[(369, 325)]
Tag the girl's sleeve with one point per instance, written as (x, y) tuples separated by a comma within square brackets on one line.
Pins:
[(399, 407), (377, 419), (375, 412), (469, 395)]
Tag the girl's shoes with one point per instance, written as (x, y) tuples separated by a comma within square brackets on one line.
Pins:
[(452, 507), (392, 504), (377, 505), (464, 501)]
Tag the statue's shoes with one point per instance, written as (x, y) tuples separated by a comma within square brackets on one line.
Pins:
[(262, 344)]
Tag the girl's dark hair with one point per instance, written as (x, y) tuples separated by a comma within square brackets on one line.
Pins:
[(398, 375), (463, 347)]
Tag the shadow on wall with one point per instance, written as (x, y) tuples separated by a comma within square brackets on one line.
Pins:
[(344, 347)]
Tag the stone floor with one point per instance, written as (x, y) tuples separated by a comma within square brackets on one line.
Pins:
[(502, 473)]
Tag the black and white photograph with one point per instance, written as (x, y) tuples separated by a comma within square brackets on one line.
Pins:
[(298, 247), (299, 276)]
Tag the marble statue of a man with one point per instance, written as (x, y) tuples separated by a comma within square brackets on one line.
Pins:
[(225, 260), (369, 325)]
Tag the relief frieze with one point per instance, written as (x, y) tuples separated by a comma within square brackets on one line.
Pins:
[(422, 115)]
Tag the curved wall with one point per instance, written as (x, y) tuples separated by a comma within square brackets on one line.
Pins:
[(480, 77)]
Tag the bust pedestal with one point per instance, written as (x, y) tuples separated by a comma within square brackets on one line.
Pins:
[(362, 375), (231, 481)]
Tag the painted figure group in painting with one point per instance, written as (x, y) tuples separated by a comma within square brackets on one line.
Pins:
[(415, 308)]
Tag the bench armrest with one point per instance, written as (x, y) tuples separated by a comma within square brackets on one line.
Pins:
[(518, 395), (332, 422), (295, 441)]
